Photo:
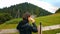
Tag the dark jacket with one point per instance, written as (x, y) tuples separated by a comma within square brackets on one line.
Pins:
[(25, 28)]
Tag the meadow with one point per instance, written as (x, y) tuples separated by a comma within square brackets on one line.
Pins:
[(45, 20)]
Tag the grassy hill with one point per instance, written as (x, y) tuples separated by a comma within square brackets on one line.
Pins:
[(46, 21), (49, 20)]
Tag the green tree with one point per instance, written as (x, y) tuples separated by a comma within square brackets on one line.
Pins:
[(4, 17)]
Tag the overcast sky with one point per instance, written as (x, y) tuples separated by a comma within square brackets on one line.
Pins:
[(50, 5), (53, 2)]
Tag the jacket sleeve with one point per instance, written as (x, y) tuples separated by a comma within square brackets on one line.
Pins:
[(34, 27), (18, 26)]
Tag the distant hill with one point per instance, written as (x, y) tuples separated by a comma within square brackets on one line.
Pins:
[(49, 20), (19, 9), (45, 20), (58, 11)]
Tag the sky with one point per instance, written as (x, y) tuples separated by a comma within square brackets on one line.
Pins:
[(49, 5), (53, 2)]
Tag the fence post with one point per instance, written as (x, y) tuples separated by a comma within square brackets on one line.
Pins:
[(40, 28)]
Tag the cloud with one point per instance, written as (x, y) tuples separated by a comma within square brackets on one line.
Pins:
[(7, 3), (42, 4)]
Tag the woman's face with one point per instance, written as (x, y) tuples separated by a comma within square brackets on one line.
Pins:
[(29, 18)]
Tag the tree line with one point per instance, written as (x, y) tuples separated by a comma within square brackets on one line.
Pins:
[(16, 11), (20, 9)]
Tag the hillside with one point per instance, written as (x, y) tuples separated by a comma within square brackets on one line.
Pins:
[(20, 9), (49, 20), (45, 20), (58, 11)]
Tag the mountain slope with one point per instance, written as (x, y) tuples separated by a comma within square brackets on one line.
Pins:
[(45, 20), (20, 9), (58, 11), (49, 20)]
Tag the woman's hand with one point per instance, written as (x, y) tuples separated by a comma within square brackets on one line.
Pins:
[(32, 20)]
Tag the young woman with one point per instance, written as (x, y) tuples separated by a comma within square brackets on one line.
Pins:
[(24, 27)]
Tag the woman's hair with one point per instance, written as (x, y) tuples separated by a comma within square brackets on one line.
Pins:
[(26, 15)]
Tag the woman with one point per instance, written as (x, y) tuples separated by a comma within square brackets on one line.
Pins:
[(24, 27)]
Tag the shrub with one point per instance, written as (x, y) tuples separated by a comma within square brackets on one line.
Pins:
[(4, 17), (13, 21)]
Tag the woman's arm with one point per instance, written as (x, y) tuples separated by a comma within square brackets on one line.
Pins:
[(34, 27)]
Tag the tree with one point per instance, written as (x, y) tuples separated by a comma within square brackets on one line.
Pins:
[(4, 17), (25, 7)]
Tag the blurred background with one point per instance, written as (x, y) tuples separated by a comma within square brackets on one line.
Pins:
[(45, 11)]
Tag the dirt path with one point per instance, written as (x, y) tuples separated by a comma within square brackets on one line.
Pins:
[(43, 29), (50, 27)]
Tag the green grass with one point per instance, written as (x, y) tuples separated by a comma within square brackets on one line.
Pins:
[(47, 32), (13, 21), (45, 20), (49, 20), (51, 31), (8, 26), (18, 33)]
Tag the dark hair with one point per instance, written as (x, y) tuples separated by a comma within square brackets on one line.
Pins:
[(26, 15)]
